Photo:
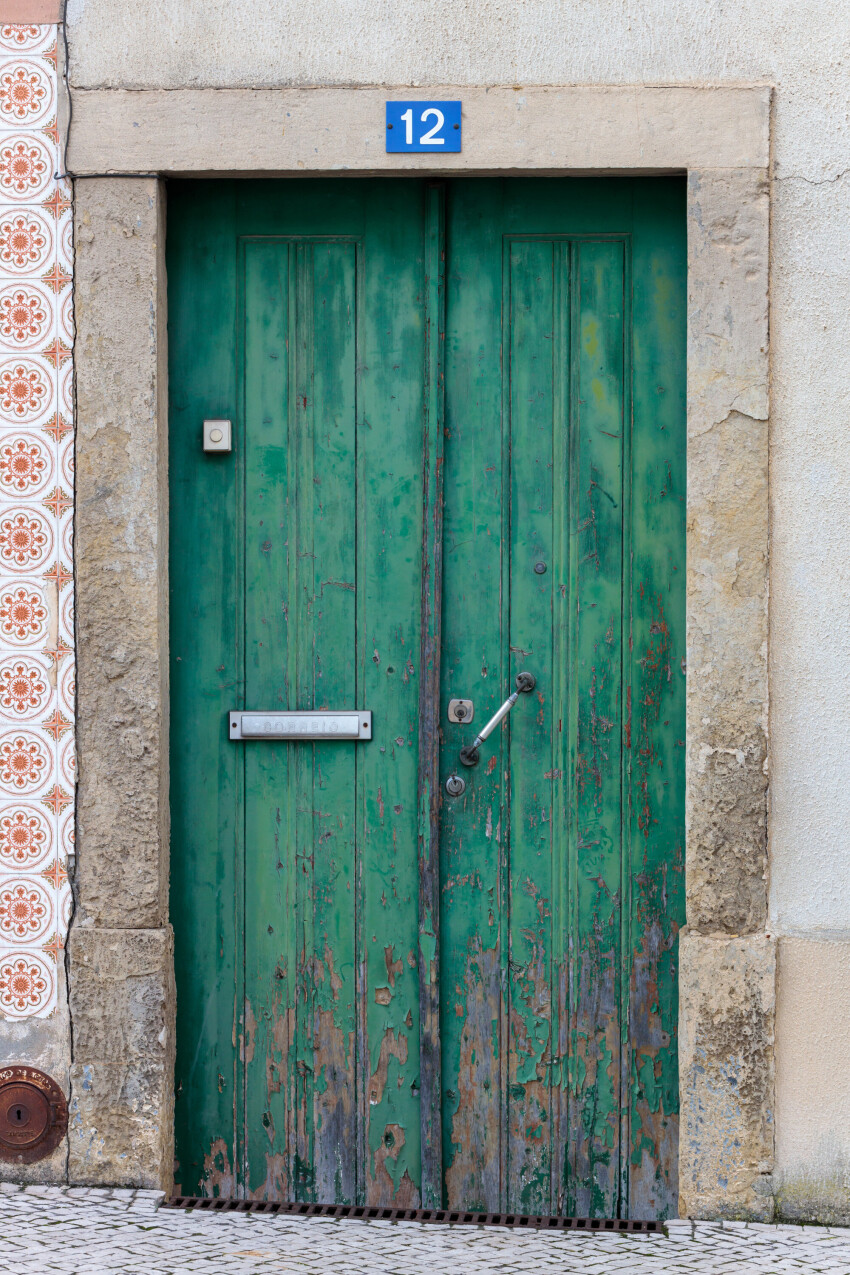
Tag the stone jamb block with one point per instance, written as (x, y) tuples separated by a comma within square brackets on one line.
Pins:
[(121, 1113), (727, 1010), (121, 554), (726, 796)]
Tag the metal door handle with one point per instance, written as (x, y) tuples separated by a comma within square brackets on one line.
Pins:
[(525, 682)]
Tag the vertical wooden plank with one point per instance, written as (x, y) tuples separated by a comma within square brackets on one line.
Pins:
[(627, 890), (533, 293), (597, 487), (335, 663), (300, 618), (562, 593), (473, 935), (656, 692), (389, 561), (302, 756), (206, 681), (430, 1083), (269, 947), (333, 390), (361, 1053)]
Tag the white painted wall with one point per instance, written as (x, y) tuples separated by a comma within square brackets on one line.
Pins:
[(803, 48)]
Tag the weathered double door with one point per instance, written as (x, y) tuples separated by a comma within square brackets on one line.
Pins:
[(458, 455)]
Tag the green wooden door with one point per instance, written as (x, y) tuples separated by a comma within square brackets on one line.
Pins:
[(459, 450)]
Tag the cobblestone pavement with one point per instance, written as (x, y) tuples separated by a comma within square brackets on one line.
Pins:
[(72, 1231)]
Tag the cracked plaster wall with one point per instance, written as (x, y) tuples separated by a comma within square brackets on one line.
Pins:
[(798, 48)]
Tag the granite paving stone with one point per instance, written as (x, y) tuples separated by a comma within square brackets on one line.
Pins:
[(76, 1231)]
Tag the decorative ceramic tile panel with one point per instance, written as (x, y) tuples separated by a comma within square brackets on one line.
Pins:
[(37, 758)]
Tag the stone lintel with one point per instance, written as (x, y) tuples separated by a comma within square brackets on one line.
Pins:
[(579, 128)]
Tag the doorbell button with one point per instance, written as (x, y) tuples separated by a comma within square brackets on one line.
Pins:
[(217, 436)]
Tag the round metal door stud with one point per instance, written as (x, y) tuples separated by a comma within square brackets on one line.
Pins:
[(540, 568), (455, 786), (33, 1115)]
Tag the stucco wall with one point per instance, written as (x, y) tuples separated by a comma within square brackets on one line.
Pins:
[(798, 48)]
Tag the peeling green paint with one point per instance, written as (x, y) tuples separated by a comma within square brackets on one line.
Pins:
[(534, 959), (583, 895)]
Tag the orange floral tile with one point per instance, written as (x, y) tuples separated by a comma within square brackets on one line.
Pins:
[(37, 670)]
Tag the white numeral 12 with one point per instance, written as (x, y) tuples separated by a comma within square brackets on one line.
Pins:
[(429, 138)]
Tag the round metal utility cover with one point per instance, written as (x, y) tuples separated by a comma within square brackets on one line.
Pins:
[(33, 1114)]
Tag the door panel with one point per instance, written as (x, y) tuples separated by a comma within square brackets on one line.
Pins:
[(308, 998), (205, 590), (299, 384), (551, 803), (385, 994)]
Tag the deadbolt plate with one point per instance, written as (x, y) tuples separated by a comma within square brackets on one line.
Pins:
[(33, 1114), (461, 710)]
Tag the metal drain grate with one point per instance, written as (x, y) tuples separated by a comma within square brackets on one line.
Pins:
[(519, 1221)]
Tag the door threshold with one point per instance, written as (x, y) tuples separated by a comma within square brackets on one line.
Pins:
[(449, 1217)]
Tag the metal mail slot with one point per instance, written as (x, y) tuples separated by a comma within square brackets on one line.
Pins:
[(301, 725)]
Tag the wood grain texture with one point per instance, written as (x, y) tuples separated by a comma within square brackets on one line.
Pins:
[(430, 1085), (206, 671)]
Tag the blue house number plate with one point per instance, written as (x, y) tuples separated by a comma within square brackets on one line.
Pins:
[(423, 126)]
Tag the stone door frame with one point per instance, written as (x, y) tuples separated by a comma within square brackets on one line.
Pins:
[(121, 985)]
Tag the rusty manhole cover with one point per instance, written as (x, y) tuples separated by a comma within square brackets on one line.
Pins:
[(33, 1114)]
